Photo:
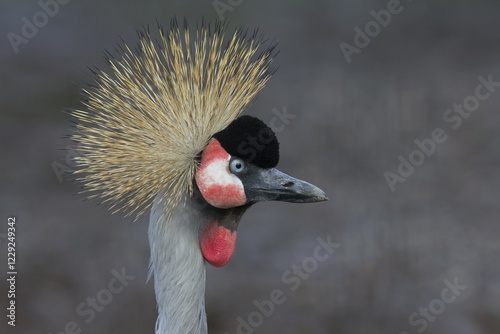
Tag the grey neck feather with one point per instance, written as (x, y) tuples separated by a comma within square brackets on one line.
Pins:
[(178, 268), (177, 263)]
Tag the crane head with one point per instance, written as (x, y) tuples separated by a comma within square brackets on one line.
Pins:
[(237, 169)]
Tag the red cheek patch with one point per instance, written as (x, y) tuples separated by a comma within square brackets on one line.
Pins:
[(217, 184), (214, 151), (224, 196), (217, 244)]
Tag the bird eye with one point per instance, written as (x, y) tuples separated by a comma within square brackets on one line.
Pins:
[(237, 166)]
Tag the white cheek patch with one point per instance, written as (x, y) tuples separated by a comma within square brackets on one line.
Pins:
[(219, 186), (217, 173)]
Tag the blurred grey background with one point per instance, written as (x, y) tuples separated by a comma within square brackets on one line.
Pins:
[(398, 249)]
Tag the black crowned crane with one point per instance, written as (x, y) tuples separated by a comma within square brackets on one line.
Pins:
[(161, 130)]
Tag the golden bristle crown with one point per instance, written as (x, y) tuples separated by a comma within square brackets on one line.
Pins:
[(147, 118)]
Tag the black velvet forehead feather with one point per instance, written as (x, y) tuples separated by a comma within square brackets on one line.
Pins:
[(250, 139)]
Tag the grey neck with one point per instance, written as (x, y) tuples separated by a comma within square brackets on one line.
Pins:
[(177, 263), (178, 268)]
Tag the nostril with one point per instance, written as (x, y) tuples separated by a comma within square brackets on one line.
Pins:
[(288, 184)]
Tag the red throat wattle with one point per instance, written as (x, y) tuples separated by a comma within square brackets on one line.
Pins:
[(217, 244)]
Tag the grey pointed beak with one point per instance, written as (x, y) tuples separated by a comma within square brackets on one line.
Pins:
[(273, 185)]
